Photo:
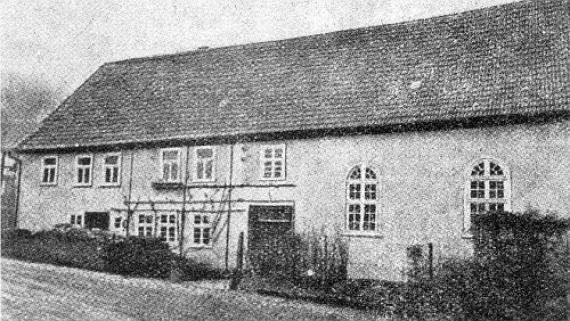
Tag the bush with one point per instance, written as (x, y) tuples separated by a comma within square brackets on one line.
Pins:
[(100, 251), (520, 271), (147, 257)]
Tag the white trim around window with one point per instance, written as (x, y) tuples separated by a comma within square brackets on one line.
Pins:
[(363, 194), (272, 162), (487, 188), (83, 170), (111, 169), (204, 164), (49, 166), (170, 165)]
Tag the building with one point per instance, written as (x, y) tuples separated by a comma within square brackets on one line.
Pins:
[(393, 136)]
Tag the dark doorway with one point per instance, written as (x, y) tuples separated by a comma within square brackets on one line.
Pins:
[(267, 224), (98, 220)]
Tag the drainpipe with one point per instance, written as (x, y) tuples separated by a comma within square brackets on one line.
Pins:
[(229, 204), (184, 197), (129, 214)]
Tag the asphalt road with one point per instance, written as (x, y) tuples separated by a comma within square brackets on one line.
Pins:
[(33, 291)]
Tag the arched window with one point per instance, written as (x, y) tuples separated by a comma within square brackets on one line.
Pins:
[(487, 189), (362, 200)]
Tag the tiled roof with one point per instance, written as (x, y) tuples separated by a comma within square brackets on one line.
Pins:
[(506, 60)]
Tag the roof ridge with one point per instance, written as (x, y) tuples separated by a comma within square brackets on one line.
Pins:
[(300, 38)]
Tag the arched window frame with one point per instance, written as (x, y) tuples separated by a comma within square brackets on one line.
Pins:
[(488, 195), (365, 199)]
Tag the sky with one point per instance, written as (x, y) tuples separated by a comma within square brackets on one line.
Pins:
[(59, 43)]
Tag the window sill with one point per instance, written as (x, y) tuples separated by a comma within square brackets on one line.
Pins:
[(110, 186), (48, 184), (161, 185), (362, 235), (82, 186), (201, 247)]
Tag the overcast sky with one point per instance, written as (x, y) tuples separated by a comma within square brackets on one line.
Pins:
[(61, 42)]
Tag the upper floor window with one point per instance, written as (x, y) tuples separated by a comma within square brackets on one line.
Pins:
[(170, 161), (83, 165), (112, 169), (204, 160), (362, 200), (273, 162), (49, 170), (487, 189)]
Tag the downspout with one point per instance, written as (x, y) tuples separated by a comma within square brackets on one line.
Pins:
[(129, 214), (229, 205), (184, 197)]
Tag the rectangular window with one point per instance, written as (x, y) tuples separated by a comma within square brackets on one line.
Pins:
[(204, 160), (49, 170), (83, 166), (202, 229), (146, 225), (273, 162), (112, 170), (76, 221), (167, 228), (170, 161)]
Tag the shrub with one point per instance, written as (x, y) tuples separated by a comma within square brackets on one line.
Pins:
[(520, 268), (147, 257)]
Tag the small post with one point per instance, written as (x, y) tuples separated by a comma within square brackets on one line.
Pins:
[(236, 278), (430, 260)]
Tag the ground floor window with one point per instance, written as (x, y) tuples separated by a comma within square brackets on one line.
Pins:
[(167, 228), (163, 226), (202, 229), (146, 225), (76, 221)]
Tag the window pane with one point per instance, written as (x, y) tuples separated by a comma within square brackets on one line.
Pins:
[(141, 219), (370, 174), (87, 176), (52, 175), (205, 153), (172, 219), (115, 177), (370, 192), (209, 169), (197, 219), (149, 219), (279, 153), (79, 175), (495, 170), (478, 170), (166, 172), (111, 160), (171, 234), (107, 175), (164, 218), (72, 220), (148, 231), (354, 191), (206, 236), (170, 155), (85, 161), (174, 172), (197, 235), (45, 178), (200, 170), (50, 161), (268, 153), (141, 231), (355, 173)]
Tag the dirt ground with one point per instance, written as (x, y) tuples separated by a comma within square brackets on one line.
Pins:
[(33, 291)]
